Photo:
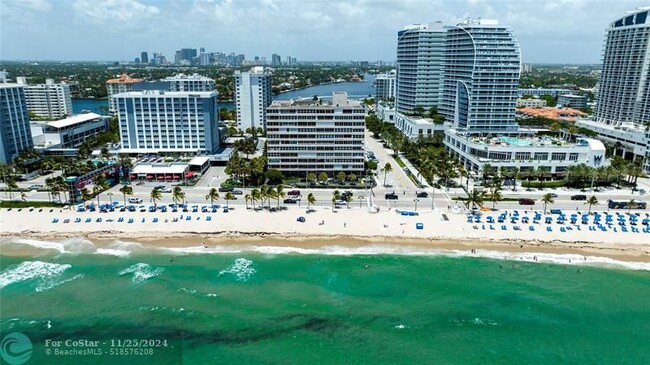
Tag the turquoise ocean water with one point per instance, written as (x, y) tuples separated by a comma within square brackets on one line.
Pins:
[(253, 307)]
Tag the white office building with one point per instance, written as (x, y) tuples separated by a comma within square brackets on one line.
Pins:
[(252, 97), (419, 66), (316, 135), (49, 100), (624, 92), (195, 82), (155, 121), (15, 134), (385, 86)]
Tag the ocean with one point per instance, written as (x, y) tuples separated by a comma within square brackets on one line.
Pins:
[(274, 306)]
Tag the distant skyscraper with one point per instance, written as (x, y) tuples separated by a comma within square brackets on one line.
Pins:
[(481, 77), (195, 82), (185, 54), (624, 92), (156, 121), (419, 66), (276, 60), (120, 85), (144, 57), (48, 100), (252, 96), (15, 134)]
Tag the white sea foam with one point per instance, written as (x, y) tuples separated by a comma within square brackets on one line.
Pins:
[(242, 269), (33, 270), (197, 293), (142, 272), (53, 283), (71, 245)]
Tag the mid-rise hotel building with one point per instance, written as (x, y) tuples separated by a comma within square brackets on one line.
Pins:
[(385, 86), (316, 135), (155, 121), (252, 97), (195, 82), (48, 100), (15, 134)]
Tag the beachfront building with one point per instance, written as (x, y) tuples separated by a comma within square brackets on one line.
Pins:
[(624, 92), (161, 122), (252, 97), (385, 86), (481, 77), (419, 66), (15, 134), (48, 100), (195, 82), (122, 84), (55, 136), (622, 113), (316, 135), (544, 154)]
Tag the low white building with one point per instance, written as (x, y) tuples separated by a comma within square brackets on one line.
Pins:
[(531, 103), (549, 154), (386, 111), (69, 132), (417, 127), (634, 139)]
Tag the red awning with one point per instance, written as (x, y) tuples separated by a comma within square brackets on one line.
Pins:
[(149, 176), (189, 174)]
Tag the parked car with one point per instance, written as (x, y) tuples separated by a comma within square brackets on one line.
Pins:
[(391, 196), (290, 201), (165, 190), (225, 189), (237, 192), (347, 193), (36, 187), (553, 195), (422, 194), (526, 201), (135, 200), (579, 197), (294, 192)]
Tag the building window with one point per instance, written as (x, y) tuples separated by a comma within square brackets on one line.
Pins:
[(541, 156)]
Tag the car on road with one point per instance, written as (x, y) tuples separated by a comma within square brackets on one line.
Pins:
[(422, 194), (165, 190), (290, 201), (135, 200), (391, 196), (237, 192), (553, 195), (578, 197), (225, 189), (294, 192), (36, 187), (526, 201)]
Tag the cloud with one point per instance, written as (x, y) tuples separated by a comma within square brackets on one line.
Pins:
[(116, 12)]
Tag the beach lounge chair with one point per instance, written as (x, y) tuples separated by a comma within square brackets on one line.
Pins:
[(504, 228), (120, 219), (155, 220), (208, 218), (98, 220), (562, 229), (88, 220), (130, 220), (549, 229), (66, 221), (188, 218), (143, 219), (491, 227), (55, 220), (531, 228)]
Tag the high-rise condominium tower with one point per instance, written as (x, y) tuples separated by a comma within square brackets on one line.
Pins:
[(624, 92), (48, 100), (481, 77), (15, 134), (419, 66), (252, 96)]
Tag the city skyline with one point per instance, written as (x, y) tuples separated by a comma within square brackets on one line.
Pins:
[(556, 31)]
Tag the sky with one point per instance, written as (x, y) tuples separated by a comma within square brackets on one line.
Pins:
[(548, 31)]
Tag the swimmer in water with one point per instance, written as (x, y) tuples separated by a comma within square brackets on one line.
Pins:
[(365, 266)]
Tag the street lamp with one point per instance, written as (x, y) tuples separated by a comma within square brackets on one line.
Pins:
[(110, 198), (416, 200)]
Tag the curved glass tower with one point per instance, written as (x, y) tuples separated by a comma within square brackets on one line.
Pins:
[(481, 77), (624, 91)]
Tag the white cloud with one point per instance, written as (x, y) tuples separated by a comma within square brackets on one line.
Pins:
[(125, 12)]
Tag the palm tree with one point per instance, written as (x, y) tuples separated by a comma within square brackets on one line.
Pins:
[(264, 193), (178, 195), (348, 199), (591, 201), (126, 190), (336, 195), (271, 194), (97, 191), (311, 200), (85, 195), (255, 194), (495, 196), (386, 169), (228, 197), (212, 196), (630, 205), (155, 195), (547, 199), (279, 193), (11, 184), (475, 198), (247, 197)]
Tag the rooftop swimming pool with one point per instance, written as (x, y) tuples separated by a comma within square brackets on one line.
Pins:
[(516, 141)]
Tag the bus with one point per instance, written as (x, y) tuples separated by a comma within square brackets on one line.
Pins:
[(625, 204)]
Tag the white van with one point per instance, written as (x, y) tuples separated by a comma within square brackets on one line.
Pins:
[(135, 200)]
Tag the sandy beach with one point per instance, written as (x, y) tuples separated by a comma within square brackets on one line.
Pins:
[(350, 228)]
